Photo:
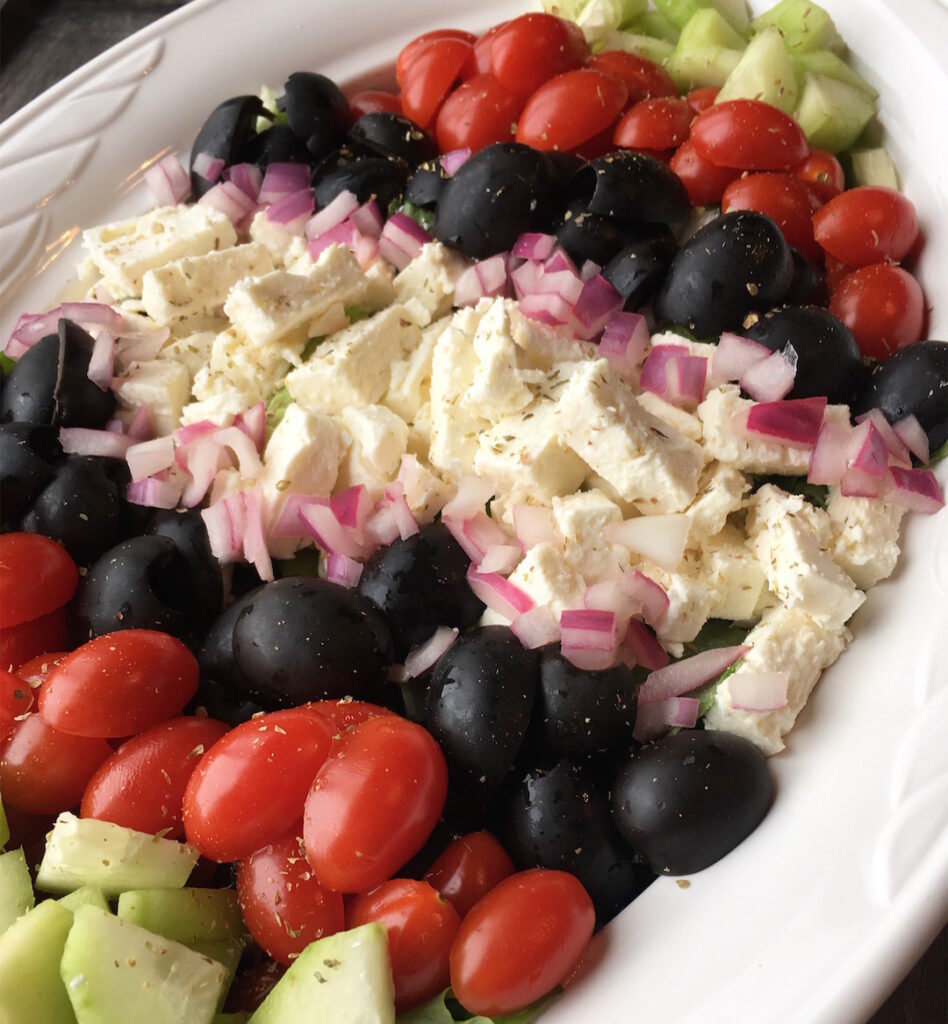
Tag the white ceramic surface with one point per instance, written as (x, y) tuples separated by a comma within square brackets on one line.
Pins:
[(819, 913)]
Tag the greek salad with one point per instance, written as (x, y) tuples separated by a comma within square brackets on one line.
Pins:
[(423, 523)]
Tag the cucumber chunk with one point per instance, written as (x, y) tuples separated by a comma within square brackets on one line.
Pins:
[(832, 114), (655, 24), (83, 851), (706, 28), (184, 915), (804, 24), (678, 12), (695, 69), (16, 888), (643, 46), (30, 951), (824, 62), (764, 72), (86, 895), (342, 979), (873, 167), (115, 971)]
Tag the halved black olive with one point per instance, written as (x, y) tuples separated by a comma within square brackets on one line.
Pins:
[(588, 236), (828, 359), (221, 703), (26, 453), (632, 186), (276, 145), (228, 127), (389, 134), (315, 106), (186, 528), (425, 186), (637, 271), (216, 656), (364, 178), (565, 166), (808, 287)]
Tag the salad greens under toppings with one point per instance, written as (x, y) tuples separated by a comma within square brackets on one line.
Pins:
[(445, 1009)]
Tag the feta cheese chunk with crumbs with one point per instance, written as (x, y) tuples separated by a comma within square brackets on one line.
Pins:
[(736, 577), (409, 388), (162, 384), (581, 520), (255, 370), (721, 491), (379, 437), (549, 579), (216, 399), (277, 240), (198, 285), (302, 456), (125, 250), (541, 346), (499, 387), (643, 459), (690, 599), (680, 420), (865, 537), (425, 492), (192, 350), (785, 640), (800, 571), (430, 279)]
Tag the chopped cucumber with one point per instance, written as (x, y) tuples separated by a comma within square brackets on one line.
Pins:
[(184, 915), (832, 114), (655, 24), (805, 26), (16, 888), (873, 167), (83, 851), (31, 988), (86, 895), (707, 29), (824, 62), (598, 18), (679, 12), (695, 69), (643, 46), (764, 72)]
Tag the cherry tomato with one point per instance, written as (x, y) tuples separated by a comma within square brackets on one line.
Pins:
[(37, 669), (520, 941), (373, 807), (421, 927), (119, 684), (19, 644), (409, 53), (883, 306), (371, 101), (16, 699), (701, 99), (468, 869), (430, 76), (532, 49), (867, 225), (479, 63), (478, 113), (749, 135), (37, 576), (44, 771), (282, 901), (822, 171), (644, 79), (251, 786), (784, 199), (661, 123), (141, 786), (344, 715), (571, 109), (836, 272), (704, 181)]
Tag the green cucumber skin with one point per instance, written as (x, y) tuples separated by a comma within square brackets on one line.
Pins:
[(31, 989), (16, 888)]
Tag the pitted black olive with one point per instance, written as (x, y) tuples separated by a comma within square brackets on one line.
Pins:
[(317, 111), (828, 358), (133, 519), (425, 186), (141, 583), (388, 134), (228, 128), (808, 287), (495, 196), (638, 270), (419, 584), (587, 236), (913, 381), (479, 702), (186, 528), (631, 186), (275, 145), (557, 819), (687, 800), (79, 507), (221, 703), (26, 453), (303, 638), (216, 654), (738, 264), (565, 166), (365, 178), (50, 383)]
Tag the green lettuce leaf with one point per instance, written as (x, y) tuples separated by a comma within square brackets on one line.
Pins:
[(423, 217), (6, 364), (815, 494), (938, 454), (277, 404), (304, 563), (357, 313), (445, 1009)]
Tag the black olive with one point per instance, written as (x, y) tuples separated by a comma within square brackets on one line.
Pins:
[(632, 187), (913, 381), (808, 287), (557, 819), (302, 639), (26, 453), (186, 528), (479, 704), (587, 236), (216, 654), (79, 507), (737, 264), (495, 196), (687, 800), (50, 383), (389, 134), (274, 145), (828, 358), (638, 270), (141, 583), (133, 519), (565, 166), (425, 186), (419, 584), (317, 111), (364, 178), (228, 127), (220, 702)]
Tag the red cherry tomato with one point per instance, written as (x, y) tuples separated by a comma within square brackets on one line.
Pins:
[(532, 49), (468, 869), (478, 113), (520, 941), (141, 786), (373, 807), (704, 181), (119, 684), (20, 644), (251, 786), (409, 53), (479, 64), (344, 715), (430, 76), (867, 225), (421, 927), (37, 669), (571, 109), (371, 101), (282, 901), (836, 272), (823, 172), (749, 135), (37, 576), (644, 79), (784, 199), (661, 123), (44, 771), (701, 99), (16, 699), (883, 306)]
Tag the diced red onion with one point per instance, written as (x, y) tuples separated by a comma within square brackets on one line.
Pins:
[(202, 459), (649, 595), (475, 534), (588, 638), (533, 525), (248, 459), (327, 531), (247, 177), (232, 201), (226, 522), (916, 489), (402, 240), (794, 422), (288, 522), (857, 484), (589, 269), (33, 326), (381, 527), (422, 657), (208, 167), (733, 356), (912, 434), (345, 233), (531, 279), (654, 720), (85, 441), (597, 301), (611, 596), (686, 376), (772, 378), (140, 346), (661, 538), (502, 558), (102, 361), (536, 628), (759, 691), (547, 308), (624, 341), (654, 375), (253, 422), (644, 645), (454, 160), (343, 570), (533, 245), (368, 219), (868, 452), (688, 674), (499, 594), (895, 445), (117, 427), (352, 506), (168, 181), (283, 179), (483, 279), (830, 456), (292, 211), (472, 495), (150, 457), (183, 436), (254, 541), (142, 427), (154, 493), (366, 251), (404, 519), (559, 261), (332, 215)]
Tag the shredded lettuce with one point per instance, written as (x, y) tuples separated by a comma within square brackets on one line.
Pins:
[(423, 217), (304, 563), (815, 494), (714, 633), (445, 1009), (357, 313), (277, 404), (938, 454), (6, 364)]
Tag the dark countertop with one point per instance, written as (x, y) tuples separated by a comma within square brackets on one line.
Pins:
[(42, 41)]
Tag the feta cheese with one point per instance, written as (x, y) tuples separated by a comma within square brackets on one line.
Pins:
[(409, 387), (216, 399), (735, 576), (192, 350), (162, 384), (680, 420), (379, 437), (542, 347), (274, 237), (581, 520), (499, 387), (690, 599), (302, 456), (549, 579), (255, 370), (425, 492), (865, 537), (721, 491), (430, 279)]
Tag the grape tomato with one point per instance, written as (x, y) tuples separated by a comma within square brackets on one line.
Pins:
[(532, 49), (469, 868), (571, 109), (749, 135), (37, 576), (866, 225)]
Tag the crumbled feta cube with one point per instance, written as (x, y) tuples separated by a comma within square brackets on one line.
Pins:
[(549, 579), (302, 456), (192, 350), (216, 399), (255, 370), (425, 492), (409, 386), (274, 236), (581, 520), (430, 279), (736, 577), (379, 437), (680, 420), (162, 384), (499, 387), (721, 491), (865, 537), (690, 599)]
